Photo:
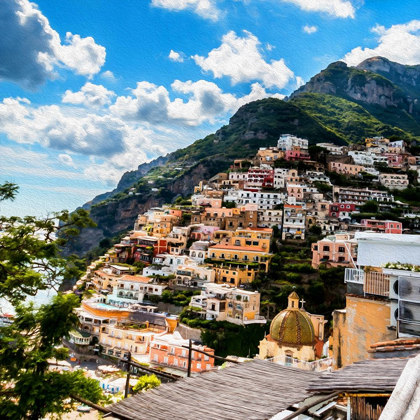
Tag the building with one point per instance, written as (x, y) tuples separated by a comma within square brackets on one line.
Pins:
[(360, 196), (382, 301), (343, 211), (294, 225), (260, 177), (268, 155), (294, 334), (269, 218), (368, 158), (381, 226), (117, 340), (286, 142), (130, 289), (224, 303), (264, 200), (394, 181), (345, 168), (335, 250), (171, 350), (240, 254), (297, 153), (333, 149)]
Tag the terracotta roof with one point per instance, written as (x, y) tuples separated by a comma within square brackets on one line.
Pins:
[(140, 279), (402, 344)]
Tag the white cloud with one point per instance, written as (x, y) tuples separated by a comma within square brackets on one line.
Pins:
[(334, 8), (66, 159), (115, 145), (269, 47), (108, 75), (32, 50), (309, 29), (241, 60), (197, 102), (89, 95), (299, 82), (205, 8), (400, 43), (175, 56)]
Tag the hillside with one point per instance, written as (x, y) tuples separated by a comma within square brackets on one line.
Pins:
[(340, 105), (387, 90)]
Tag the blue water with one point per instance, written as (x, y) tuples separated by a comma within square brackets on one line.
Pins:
[(42, 297)]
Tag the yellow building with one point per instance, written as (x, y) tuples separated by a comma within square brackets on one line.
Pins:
[(363, 322), (245, 254), (235, 274), (163, 225), (294, 333)]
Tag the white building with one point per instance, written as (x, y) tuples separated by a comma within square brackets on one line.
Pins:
[(288, 141), (264, 200), (280, 175), (224, 303), (269, 218), (132, 289), (367, 158), (332, 148)]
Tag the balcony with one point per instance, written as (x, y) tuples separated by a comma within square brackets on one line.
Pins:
[(354, 275), (374, 283)]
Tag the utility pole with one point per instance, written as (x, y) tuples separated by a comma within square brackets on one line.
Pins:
[(127, 383), (189, 358)]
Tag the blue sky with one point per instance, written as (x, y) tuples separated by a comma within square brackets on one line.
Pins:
[(91, 89)]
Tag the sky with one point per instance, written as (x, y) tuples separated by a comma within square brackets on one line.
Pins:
[(90, 89)]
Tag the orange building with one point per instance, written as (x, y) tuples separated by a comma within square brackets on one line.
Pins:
[(169, 350)]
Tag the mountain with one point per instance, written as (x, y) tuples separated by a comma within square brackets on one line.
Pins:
[(389, 91), (341, 105)]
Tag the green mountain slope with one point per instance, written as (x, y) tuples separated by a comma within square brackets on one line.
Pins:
[(346, 119), (390, 95)]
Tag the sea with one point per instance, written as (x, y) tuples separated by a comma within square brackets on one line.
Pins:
[(42, 297)]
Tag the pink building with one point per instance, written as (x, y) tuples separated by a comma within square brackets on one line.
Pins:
[(203, 232), (296, 191), (382, 226), (297, 154), (335, 250), (394, 161)]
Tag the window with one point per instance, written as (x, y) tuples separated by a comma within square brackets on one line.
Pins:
[(341, 249), (326, 248), (198, 365)]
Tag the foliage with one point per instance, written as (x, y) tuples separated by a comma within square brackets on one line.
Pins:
[(145, 383), (316, 230), (370, 207), (30, 260)]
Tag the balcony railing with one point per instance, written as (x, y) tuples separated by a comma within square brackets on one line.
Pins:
[(376, 283), (316, 366), (354, 275)]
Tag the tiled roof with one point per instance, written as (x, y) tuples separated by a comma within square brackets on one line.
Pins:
[(403, 344)]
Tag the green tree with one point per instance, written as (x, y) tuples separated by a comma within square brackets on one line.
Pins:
[(31, 260), (145, 383), (370, 207)]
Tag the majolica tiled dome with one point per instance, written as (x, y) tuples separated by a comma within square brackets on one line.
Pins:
[(293, 325)]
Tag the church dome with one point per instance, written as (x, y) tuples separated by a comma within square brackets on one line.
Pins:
[(293, 326)]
